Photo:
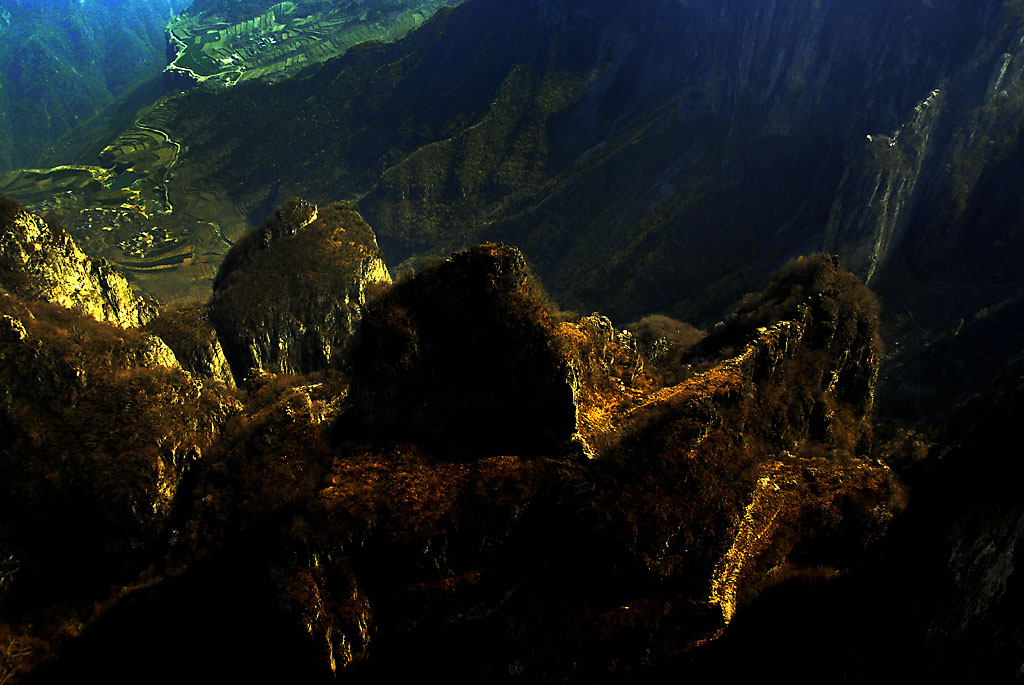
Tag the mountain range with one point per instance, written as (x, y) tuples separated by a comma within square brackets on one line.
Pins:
[(612, 144), (390, 439)]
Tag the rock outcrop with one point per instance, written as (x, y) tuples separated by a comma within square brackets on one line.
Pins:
[(42, 262), (938, 601), (464, 353), (191, 336), (289, 295), (751, 443)]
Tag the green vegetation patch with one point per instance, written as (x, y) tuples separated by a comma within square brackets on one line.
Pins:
[(195, 60)]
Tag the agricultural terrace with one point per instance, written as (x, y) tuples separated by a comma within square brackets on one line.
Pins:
[(287, 37)]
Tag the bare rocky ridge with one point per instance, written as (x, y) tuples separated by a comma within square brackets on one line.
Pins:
[(42, 262)]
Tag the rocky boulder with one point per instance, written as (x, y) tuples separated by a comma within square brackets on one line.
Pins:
[(466, 355), (289, 295)]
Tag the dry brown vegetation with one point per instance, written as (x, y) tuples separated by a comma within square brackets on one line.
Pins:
[(444, 498), (665, 342)]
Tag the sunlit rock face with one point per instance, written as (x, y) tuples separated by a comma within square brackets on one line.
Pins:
[(42, 262), (289, 295), (938, 600), (191, 336), (100, 426)]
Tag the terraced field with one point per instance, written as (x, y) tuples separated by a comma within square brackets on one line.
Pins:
[(287, 37), (125, 212)]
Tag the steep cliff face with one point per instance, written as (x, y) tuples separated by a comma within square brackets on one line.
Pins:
[(289, 296), (912, 193), (929, 213), (879, 191), (42, 262), (187, 331), (100, 426)]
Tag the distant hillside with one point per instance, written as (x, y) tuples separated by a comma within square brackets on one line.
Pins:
[(645, 157), (63, 61), (234, 11), (664, 157), (226, 43)]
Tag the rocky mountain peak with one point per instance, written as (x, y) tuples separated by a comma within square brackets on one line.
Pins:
[(42, 262), (289, 295), (465, 353), (435, 490)]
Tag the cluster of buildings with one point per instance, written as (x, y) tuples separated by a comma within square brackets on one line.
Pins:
[(141, 243)]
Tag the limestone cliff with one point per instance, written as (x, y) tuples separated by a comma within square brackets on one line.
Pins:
[(912, 190), (929, 213), (916, 185), (289, 296), (42, 262), (868, 220)]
